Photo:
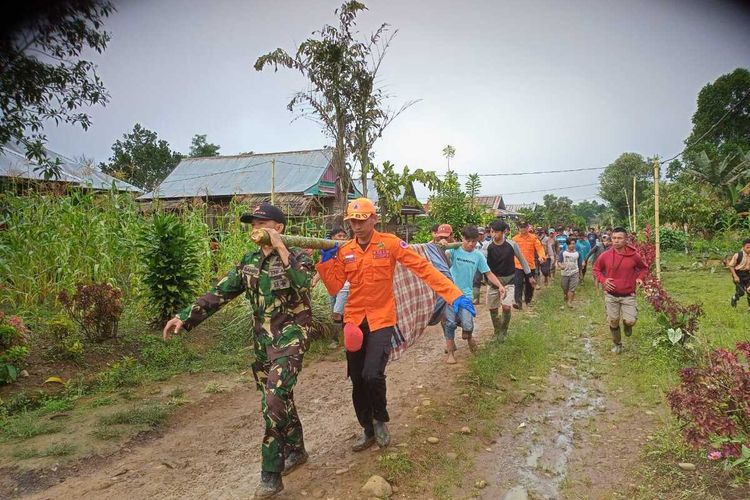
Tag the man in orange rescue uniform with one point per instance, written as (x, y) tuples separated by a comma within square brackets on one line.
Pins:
[(367, 262), (529, 245)]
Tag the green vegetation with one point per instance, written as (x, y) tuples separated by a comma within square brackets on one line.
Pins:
[(150, 414), (53, 450)]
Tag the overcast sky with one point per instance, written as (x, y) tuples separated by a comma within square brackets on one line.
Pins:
[(521, 85)]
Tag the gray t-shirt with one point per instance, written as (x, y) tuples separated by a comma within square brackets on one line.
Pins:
[(569, 262)]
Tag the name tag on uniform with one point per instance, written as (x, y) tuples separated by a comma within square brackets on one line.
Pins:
[(349, 258), (381, 254)]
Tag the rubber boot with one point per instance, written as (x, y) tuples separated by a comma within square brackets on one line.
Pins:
[(270, 484), (294, 460), (496, 322), (616, 339), (475, 293), (363, 442), (450, 347), (628, 330), (504, 323), (382, 435)]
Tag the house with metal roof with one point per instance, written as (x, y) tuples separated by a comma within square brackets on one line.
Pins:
[(303, 182), (17, 170)]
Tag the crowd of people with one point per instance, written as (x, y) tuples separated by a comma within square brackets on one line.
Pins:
[(358, 273)]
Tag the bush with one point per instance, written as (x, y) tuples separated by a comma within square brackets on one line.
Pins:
[(67, 343), (673, 239), (96, 308), (172, 263), (713, 401), (13, 349), (124, 373)]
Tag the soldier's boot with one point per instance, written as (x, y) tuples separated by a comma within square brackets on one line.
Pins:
[(270, 484), (450, 347), (363, 442), (382, 436), (294, 460)]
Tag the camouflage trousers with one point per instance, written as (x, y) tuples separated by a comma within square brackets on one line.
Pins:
[(275, 379)]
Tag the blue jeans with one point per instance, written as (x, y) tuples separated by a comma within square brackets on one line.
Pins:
[(464, 319)]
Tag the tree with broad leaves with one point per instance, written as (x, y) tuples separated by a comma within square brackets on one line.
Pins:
[(342, 96), (200, 147), (721, 122), (42, 75), (616, 182), (728, 175), (395, 190), (141, 158)]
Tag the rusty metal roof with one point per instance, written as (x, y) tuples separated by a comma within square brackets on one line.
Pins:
[(296, 172), (14, 164)]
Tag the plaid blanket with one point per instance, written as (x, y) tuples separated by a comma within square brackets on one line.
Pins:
[(415, 302)]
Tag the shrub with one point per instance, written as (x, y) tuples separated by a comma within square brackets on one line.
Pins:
[(13, 349), (67, 342), (124, 373), (172, 265), (713, 401), (96, 308), (673, 239)]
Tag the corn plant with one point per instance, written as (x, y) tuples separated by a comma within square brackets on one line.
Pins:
[(170, 255)]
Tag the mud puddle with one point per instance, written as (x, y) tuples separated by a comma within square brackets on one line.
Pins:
[(530, 457)]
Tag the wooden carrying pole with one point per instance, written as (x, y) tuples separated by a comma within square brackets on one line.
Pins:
[(260, 237), (657, 242)]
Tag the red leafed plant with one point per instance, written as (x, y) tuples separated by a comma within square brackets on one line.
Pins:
[(713, 400), (672, 313), (95, 307)]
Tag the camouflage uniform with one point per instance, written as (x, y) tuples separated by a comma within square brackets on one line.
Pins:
[(280, 299)]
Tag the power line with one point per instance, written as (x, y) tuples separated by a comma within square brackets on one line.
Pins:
[(552, 190), (711, 128), (538, 172)]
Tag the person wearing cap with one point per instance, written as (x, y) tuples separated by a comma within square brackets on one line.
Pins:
[(368, 262), (531, 247), (276, 281)]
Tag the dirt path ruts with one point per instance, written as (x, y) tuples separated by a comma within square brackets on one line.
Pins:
[(212, 449)]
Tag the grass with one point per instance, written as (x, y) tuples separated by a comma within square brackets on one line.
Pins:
[(25, 426), (648, 370), (215, 388), (150, 414), (395, 465), (54, 450)]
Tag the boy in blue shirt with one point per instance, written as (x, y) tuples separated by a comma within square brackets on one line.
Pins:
[(465, 262)]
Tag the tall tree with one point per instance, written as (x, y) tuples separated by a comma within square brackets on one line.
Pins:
[(726, 101), (200, 147), (43, 76), (141, 158), (473, 186), (727, 175), (616, 182), (340, 85), (449, 152)]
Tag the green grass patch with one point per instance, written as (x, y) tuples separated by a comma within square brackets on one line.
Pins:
[(26, 425), (151, 414), (53, 450), (395, 465), (215, 388), (106, 433)]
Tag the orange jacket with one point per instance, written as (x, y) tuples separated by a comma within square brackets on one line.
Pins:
[(528, 243), (370, 276)]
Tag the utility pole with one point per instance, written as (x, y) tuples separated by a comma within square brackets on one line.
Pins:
[(627, 202), (657, 180), (635, 220), (273, 181)]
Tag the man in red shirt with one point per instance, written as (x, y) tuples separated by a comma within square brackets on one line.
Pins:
[(619, 269), (368, 262)]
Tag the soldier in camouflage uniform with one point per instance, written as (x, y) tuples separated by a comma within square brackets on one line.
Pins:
[(276, 281)]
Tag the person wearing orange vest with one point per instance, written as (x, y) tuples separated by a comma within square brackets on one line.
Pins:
[(529, 245), (368, 263)]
